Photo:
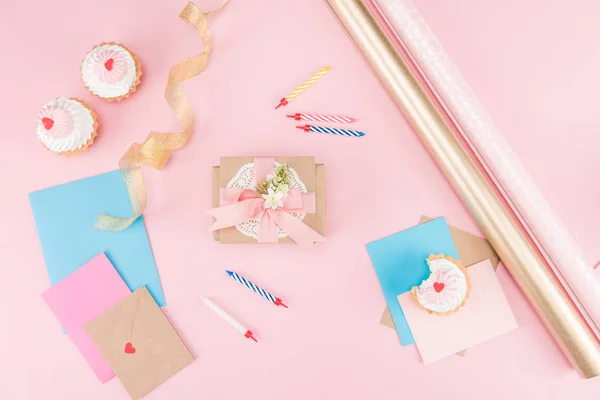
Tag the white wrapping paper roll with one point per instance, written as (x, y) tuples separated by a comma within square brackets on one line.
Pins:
[(501, 163)]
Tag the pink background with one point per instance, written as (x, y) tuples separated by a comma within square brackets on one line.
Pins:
[(534, 65)]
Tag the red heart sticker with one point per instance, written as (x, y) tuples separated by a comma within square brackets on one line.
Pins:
[(48, 123), (129, 349), (109, 64), (438, 286)]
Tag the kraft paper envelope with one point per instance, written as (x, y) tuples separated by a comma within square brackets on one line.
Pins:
[(312, 175), (471, 249), (139, 343), (485, 315), (81, 297), (64, 217)]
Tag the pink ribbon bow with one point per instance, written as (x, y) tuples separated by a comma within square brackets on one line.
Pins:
[(241, 205)]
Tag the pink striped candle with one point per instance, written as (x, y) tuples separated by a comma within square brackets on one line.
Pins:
[(336, 119)]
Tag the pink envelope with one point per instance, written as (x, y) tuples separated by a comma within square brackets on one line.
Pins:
[(485, 315), (80, 298)]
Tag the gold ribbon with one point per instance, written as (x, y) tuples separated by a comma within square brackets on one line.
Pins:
[(158, 146)]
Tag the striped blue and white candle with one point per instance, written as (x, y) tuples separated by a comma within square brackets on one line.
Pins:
[(255, 288), (331, 131)]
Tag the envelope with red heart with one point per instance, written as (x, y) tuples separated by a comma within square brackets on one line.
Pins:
[(138, 342)]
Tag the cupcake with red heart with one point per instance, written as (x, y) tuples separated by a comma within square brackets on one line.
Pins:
[(111, 71), (447, 287), (67, 126)]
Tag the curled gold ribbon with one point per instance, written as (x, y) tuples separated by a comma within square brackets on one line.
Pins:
[(158, 146)]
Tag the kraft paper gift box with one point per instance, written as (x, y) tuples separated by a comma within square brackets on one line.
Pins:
[(311, 174)]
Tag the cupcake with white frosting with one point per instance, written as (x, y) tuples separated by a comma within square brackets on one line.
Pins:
[(66, 126), (111, 71), (447, 287)]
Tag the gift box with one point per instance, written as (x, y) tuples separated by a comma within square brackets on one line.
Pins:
[(242, 214)]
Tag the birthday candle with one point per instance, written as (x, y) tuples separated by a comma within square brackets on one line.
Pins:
[(339, 119), (303, 87), (331, 131), (241, 328), (257, 289)]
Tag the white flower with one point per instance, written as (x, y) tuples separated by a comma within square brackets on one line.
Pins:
[(273, 199), (283, 189)]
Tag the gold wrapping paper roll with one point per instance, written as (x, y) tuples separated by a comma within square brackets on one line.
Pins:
[(524, 262)]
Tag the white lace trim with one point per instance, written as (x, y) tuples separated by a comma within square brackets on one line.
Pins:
[(244, 179)]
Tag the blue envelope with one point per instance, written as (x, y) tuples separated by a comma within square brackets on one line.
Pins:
[(400, 263), (64, 216)]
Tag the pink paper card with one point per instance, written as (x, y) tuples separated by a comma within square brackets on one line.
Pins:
[(485, 315), (81, 297)]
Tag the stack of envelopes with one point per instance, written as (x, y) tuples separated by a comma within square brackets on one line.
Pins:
[(116, 331), (400, 263)]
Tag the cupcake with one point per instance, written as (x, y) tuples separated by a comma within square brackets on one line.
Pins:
[(66, 126), (447, 287), (110, 71)]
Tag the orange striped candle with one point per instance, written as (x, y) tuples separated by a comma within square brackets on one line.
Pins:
[(321, 73)]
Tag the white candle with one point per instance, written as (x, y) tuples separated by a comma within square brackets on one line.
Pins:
[(232, 321)]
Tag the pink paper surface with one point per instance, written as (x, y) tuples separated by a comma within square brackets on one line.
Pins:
[(81, 297), (485, 315), (534, 64)]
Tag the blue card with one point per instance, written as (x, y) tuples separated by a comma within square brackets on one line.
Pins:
[(64, 216), (400, 263)]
